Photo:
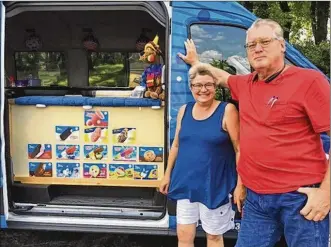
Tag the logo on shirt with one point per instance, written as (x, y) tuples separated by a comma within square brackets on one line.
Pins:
[(272, 101)]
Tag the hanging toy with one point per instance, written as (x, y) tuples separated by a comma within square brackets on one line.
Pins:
[(142, 40), (151, 77), (90, 42)]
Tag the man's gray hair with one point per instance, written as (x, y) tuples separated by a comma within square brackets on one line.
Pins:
[(201, 69), (278, 30)]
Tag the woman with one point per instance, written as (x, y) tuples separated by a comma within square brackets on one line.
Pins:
[(201, 171)]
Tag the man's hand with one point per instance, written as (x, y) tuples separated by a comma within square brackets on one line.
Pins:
[(239, 196), (191, 57), (318, 203)]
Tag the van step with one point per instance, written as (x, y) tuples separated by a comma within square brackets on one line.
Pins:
[(128, 202), (87, 211)]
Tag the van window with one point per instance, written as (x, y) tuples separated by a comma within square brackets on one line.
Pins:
[(223, 47), (114, 69), (48, 67)]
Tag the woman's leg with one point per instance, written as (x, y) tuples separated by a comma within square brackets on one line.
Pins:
[(215, 222), (187, 219), (215, 240), (186, 235)]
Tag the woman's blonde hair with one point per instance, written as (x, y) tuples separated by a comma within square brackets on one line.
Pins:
[(201, 69)]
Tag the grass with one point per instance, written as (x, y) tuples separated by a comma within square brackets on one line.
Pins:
[(110, 75)]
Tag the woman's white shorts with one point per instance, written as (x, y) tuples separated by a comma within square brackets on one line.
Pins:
[(214, 221)]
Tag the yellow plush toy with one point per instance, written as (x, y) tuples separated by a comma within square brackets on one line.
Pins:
[(151, 77)]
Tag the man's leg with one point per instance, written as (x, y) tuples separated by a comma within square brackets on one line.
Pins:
[(258, 227), (297, 229), (187, 219)]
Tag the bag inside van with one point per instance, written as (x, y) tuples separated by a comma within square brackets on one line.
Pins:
[(79, 142)]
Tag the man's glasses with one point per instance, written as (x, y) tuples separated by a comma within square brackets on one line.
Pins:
[(250, 46), (199, 86)]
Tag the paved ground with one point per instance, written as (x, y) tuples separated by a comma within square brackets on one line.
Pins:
[(65, 239)]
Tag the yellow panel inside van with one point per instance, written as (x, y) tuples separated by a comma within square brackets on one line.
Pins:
[(40, 156)]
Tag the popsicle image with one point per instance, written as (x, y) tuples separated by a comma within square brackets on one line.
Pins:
[(91, 155), (96, 134), (96, 154), (35, 151), (65, 134), (71, 150), (120, 171), (125, 153), (41, 151), (96, 119), (123, 136)]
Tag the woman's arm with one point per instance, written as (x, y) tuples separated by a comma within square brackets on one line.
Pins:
[(174, 147), (164, 185), (231, 125)]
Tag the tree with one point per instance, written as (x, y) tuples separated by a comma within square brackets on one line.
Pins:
[(248, 5), (262, 9), (284, 6), (319, 19)]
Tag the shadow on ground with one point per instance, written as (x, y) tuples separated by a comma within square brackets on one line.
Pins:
[(20, 238)]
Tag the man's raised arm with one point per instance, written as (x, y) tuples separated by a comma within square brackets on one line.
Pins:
[(191, 58)]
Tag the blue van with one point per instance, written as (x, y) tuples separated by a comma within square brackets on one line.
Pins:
[(67, 67)]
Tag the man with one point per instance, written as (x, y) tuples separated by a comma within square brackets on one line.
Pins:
[(283, 111)]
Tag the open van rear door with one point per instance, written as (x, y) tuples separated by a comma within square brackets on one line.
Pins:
[(3, 186)]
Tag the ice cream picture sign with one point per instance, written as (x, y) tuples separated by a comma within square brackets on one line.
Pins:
[(93, 147)]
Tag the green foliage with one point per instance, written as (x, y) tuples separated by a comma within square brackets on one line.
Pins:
[(262, 9), (223, 64), (107, 75), (301, 23), (317, 54), (221, 93)]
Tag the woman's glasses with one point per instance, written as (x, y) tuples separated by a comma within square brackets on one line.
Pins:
[(199, 86)]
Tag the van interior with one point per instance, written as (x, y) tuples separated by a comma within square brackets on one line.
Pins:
[(87, 50)]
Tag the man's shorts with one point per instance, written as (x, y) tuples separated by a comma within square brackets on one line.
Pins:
[(214, 221)]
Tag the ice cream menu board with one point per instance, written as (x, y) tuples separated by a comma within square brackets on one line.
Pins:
[(101, 144)]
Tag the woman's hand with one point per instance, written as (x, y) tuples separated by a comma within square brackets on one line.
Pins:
[(239, 196), (191, 56), (164, 185)]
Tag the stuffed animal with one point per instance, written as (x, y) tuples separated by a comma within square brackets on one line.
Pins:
[(151, 77)]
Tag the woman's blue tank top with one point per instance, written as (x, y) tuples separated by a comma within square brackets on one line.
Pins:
[(205, 168)]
